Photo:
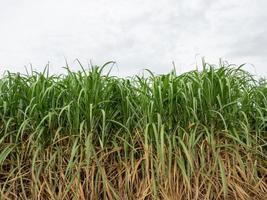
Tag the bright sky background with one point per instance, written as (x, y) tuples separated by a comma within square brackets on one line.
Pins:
[(137, 34)]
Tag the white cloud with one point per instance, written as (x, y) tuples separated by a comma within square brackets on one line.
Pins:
[(137, 34)]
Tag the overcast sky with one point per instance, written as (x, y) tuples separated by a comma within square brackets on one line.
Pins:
[(137, 34)]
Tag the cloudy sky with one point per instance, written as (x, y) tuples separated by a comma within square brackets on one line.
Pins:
[(137, 34)]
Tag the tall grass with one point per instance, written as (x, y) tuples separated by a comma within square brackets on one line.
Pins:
[(87, 135)]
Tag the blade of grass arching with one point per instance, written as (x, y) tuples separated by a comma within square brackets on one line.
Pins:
[(5, 152), (105, 65), (67, 109), (8, 125), (127, 138), (222, 118), (21, 130), (4, 137), (81, 66)]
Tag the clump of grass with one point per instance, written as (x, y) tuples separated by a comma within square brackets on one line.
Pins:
[(87, 135)]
